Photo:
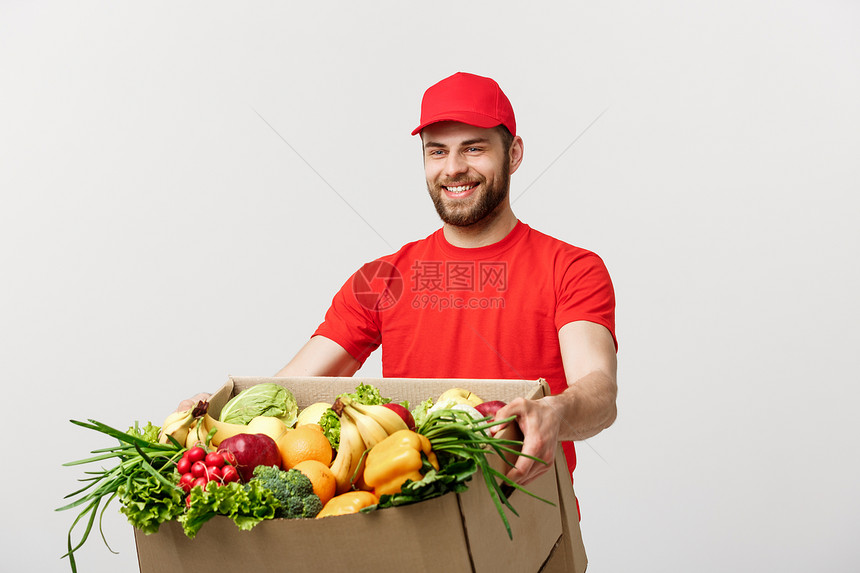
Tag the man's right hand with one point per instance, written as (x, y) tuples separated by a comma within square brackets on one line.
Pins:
[(191, 402)]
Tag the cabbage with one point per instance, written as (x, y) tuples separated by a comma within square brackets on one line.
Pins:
[(261, 400)]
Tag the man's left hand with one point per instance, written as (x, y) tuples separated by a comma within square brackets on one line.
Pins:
[(539, 421)]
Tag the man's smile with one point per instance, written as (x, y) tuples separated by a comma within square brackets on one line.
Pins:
[(459, 190)]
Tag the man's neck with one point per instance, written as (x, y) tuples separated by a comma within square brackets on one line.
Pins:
[(491, 229)]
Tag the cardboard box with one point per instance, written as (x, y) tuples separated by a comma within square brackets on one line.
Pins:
[(453, 533)]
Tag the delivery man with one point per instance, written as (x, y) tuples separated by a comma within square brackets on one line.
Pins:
[(485, 296)]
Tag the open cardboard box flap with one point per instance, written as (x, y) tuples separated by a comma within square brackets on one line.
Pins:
[(452, 533)]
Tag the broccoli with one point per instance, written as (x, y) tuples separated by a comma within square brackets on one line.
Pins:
[(292, 488)]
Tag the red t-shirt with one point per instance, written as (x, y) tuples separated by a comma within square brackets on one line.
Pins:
[(441, 311)]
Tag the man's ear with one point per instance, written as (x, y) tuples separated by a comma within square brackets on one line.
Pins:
[(515, 154)]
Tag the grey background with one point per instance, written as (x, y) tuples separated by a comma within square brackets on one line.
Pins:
[(158, 235)]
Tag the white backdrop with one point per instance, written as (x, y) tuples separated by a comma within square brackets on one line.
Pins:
[(185, 185)]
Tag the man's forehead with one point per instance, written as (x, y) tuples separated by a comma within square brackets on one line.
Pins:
[(455, 132)]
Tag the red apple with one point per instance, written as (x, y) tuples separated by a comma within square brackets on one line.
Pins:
[(489, 408), (403, 413), (250, 451)]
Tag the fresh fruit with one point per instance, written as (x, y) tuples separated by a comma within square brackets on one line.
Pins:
[(312, 414), (321, 476), (460, 396), (375, 423), (250, 451), (404, 414), (176, 425), (489, 408), (223, 430), (368, 428), (307, 442), (349, 454), (269, 425)]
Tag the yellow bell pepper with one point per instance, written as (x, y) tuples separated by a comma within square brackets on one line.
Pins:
[(396, 459), (346, 503)]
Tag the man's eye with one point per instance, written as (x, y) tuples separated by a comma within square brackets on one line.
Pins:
[(473, 149)]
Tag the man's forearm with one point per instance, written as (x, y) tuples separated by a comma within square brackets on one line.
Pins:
[(586, 407)]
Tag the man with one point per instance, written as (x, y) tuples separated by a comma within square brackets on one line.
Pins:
[(485, 296)]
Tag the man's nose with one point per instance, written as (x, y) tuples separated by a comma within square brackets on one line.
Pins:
[(455, 165)]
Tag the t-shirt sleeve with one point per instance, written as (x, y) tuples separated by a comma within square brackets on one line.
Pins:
[(350, 324), (585, 292)]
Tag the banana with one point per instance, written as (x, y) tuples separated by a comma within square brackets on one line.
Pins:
[(369, 429), (194, 434), (176, 425), (349, 454), (224, 430), (389, 419)]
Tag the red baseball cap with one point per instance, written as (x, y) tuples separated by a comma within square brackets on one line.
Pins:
[(467, 98)]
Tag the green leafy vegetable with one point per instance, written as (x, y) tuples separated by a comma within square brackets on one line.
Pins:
[(247, 505), (366, 394), (420, 412), (261, 400), (147, 502), (149, 432)]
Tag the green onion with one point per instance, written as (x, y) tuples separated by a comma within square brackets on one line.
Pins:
[(137, 458), (456, 433)]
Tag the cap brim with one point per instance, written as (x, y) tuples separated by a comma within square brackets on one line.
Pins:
[(467, 117)]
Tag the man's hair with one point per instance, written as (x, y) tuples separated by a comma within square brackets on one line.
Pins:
[(507, 138)]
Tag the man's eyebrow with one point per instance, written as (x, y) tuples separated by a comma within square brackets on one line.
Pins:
[(465, 143), (469, 142)]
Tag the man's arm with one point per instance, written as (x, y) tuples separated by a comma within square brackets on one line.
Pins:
[(321, 356), (585, 408)]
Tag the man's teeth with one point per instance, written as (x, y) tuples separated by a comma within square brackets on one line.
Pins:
[(459, 189)]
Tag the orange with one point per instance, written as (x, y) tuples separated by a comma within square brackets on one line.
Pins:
[(321, 476), (306, 442)]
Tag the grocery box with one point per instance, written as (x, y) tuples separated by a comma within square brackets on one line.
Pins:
[(453, 533)]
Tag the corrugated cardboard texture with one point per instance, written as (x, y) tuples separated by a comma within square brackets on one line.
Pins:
[(453, 533)]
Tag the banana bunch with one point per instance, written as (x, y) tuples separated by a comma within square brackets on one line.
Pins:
[(188, 427), (361, 428), (178, 426)]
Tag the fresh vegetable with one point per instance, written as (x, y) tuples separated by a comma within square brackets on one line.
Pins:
[(366, 394), (250, 451), (293, 490), (347, 503), (456, 436), (420, 412), (140, 462), (261, 400), (396, 459), (199, 467), (246, 504)]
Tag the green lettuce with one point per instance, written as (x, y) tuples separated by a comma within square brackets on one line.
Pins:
[(261, 400), (247, 505)]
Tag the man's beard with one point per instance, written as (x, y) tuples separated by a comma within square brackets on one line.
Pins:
[(465, 215)]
